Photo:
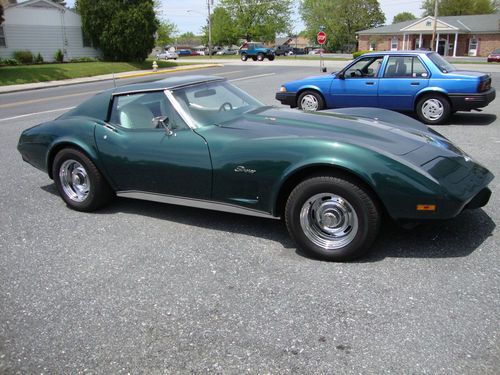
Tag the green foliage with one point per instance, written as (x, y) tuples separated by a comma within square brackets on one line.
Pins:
[(356, 54), (38, 59), (83, 59), (256, 20), (459, 7), (224, 32), (122, 29), (23, 57), (166, 33), (189, 39), (12, 62), (403, 16), (341, 20), (59, 56)]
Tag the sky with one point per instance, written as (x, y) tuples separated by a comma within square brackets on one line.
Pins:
[(191, 15)]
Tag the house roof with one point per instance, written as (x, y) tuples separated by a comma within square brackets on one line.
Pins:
[(482, 23), (37, 4)]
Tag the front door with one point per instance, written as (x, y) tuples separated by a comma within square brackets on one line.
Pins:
[(358, 85), (140, 157)]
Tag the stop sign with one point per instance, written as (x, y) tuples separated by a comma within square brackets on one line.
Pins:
[(321, 37)]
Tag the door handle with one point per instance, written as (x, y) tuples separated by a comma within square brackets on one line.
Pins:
[(415, 83), (370, 83), (110, 127)]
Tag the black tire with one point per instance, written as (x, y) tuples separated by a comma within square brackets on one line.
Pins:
[(346, 210), (433, 109), (254, 58), (271, 57), (310, 101), (88, 191), (244, 57), (260, 57)]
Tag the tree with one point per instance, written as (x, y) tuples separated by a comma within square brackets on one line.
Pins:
[(459, 7), (341, 19), (224, 31), (403, 16), (188, 39), (166, 33), (123, 29), (259, 20)]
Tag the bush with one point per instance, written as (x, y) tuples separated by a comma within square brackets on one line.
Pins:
[(83, 59), (38, 59), (59, 56), (10, 62), (355, 55), (23, 57)]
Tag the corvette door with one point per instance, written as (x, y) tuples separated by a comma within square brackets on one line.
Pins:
[(139, 156)]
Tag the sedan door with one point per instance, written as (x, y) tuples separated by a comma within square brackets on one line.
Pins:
[(357, 85), (140, 157), (403, 78)]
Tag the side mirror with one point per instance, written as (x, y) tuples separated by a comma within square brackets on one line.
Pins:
[(341, 75), (163, 122), (323, 69)]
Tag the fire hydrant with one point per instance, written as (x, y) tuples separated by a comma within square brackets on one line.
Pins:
[(155, 66)]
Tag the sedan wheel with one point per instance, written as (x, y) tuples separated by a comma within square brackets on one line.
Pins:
[(79, 182), (311, 101), (332, 218), (433, 109)]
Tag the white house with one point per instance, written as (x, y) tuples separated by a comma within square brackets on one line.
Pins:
[(42, 26)]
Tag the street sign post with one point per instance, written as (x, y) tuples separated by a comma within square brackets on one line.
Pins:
[(321, 38)]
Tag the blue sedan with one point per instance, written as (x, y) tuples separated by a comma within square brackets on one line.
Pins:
[(418, 81)]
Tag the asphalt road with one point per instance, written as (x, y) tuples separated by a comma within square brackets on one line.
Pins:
[(142, 287)]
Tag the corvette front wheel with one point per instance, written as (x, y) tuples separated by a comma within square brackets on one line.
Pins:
[(332, 218)]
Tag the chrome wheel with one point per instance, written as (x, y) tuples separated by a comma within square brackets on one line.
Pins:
[(74, 180), (329, 221), (432, 109), (309, 103)]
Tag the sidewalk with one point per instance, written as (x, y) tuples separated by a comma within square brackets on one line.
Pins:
[(105, 77)]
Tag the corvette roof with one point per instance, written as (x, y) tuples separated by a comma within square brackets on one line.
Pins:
[(167, 83)]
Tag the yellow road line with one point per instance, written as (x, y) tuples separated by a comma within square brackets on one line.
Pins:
[(194, 67)]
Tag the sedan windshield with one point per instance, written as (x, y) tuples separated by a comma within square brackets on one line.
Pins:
[(441, 63), (213, 103)]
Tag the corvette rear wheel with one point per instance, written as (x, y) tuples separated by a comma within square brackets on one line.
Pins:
[(332, 218), (433, 109), (311, 101), (79, 182)]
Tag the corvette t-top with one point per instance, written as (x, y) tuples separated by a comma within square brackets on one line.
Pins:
[(417, 81), (200, 141)]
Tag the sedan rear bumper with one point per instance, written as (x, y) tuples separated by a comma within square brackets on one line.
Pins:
[(466, 102), (287, 98)]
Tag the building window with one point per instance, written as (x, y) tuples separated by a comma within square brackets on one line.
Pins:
[(473, 46), (2, 38), (428, 23), (373, 46), (394, 43)]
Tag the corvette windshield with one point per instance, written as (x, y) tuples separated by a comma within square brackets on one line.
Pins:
[(214, 102)]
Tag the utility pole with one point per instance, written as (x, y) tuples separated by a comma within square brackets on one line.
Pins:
[(209, 28), (435, 25)]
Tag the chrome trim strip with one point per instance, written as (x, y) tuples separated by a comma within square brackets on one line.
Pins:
[(177, 106), (192, 202)]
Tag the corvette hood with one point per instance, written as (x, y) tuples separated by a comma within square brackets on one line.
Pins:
[(371, 127)]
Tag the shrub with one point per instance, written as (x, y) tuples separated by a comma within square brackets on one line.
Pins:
[(83, 59), (355, 55), (10, 62), (39, 59), (23, 57), (59, 56)]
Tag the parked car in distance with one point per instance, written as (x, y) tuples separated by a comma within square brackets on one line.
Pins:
[(166, 55), (200, 141), (227, 51), (282, 50), (415, 81), (186, 52), (494, 56), (256, 51), (316, 51)]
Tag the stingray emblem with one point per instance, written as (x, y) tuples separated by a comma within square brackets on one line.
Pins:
[(241, 168)]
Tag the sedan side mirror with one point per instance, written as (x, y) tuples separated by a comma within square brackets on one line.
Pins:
[(341, 75)]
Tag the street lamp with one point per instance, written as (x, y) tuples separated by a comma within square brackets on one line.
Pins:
[(209, 2)]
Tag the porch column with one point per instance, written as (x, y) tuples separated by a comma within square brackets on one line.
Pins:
[(404, 39), (447, 44), (455, 45), (437, 42), (420, 41)]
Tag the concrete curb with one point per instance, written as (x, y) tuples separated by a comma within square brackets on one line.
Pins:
[(105, 77)]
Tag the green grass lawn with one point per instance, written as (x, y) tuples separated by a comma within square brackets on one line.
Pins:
[(13, 75)]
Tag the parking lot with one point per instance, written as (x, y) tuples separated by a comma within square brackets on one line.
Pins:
[(143, 287)]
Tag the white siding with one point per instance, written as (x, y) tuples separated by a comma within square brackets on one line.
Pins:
[(44, 30)]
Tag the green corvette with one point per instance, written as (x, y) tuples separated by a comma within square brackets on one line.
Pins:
[(200, 141)]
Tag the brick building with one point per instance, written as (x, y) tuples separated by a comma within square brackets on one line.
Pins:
[(474, 35)]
